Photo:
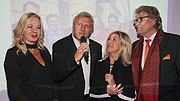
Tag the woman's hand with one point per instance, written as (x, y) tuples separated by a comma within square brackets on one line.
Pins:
[(109, 79), (112, 89)]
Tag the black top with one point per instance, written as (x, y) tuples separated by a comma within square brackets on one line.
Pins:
[(27, 79), (121, 75)]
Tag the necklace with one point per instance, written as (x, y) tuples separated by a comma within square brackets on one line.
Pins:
[(31, 46)]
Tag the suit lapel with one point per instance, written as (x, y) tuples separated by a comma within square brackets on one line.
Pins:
[(71, 45), (93, 56), (93, 53)]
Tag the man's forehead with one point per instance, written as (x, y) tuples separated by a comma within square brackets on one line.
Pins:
[(142, 13), (84, 19)]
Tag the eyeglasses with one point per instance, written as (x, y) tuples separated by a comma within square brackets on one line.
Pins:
[(140, 19)]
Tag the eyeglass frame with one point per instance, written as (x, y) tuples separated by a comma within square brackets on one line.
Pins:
[(141, 18)]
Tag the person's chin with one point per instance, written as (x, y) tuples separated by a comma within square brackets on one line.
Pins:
[(34, 41), (139, 32)]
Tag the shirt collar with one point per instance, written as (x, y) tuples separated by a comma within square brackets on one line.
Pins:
[(152, 37), (76, 41)]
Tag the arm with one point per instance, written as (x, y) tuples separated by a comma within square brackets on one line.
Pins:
[(66, 59), (125, 89), (98, 86), (128, 85), (103, 84), (63, 62), (111, 88), (11, 66)]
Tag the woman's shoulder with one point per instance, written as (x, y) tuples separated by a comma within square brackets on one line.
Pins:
[(13, 55), (103, 60), (127, 67), (103, 63), (12, 50)]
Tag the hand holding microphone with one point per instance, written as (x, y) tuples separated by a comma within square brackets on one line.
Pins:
[(82, 50), (109, 78)]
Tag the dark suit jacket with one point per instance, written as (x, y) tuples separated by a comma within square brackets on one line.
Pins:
[(69, 74), (169, 77)]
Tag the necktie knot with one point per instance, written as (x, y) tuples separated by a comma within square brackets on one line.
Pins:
[(148, 40)]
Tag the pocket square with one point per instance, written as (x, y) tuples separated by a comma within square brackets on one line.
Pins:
[(167, 57)]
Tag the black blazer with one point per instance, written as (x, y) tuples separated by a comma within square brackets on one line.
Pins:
[(69, 74), (122, 74), (169, 76)]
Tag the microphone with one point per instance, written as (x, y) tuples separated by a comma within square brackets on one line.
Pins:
[(111, 67), (86, 54)]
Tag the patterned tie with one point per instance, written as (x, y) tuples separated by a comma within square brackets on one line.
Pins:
[(146, 49)]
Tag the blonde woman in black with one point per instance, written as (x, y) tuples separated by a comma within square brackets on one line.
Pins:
[(113, 80), (28, 63)]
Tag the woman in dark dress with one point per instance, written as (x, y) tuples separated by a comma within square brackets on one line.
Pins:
[(28, 63), (113, 75)]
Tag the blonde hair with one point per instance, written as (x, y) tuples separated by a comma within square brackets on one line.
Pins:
[(20, 30), (126, 46), (84, 14)]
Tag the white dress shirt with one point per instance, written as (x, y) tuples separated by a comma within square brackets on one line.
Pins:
[(85, 67), (144, 46)]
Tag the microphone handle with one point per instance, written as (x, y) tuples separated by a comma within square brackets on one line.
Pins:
[(111, 67), (86, 57)]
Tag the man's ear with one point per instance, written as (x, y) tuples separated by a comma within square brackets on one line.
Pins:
[(154, 20), (155, 23), (92, 29)]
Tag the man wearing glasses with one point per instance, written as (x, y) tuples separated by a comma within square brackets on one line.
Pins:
[(155, 59)]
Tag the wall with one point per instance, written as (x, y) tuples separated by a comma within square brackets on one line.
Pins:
[(7, 17), (5, 40)]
